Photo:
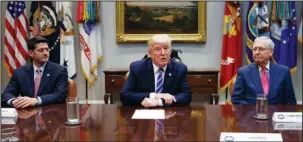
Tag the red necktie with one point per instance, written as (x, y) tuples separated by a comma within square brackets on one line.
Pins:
[(40, 123), (37, 81), (264, 80)]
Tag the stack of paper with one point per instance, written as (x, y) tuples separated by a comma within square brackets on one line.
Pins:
[(8, 116), (287, 120), (149, 114)]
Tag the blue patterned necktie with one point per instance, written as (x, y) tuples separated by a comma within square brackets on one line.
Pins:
[(159, 81), (160, 130)]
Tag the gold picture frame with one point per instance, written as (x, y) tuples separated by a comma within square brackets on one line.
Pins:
[(196, 37)]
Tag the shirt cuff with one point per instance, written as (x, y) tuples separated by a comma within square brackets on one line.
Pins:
[(152, 95), (39, 101), (9, 102), (160, 102), (39, 110)]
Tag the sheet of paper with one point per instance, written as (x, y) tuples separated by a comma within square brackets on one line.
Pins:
[(287, 117), (8, 112), (225, 137), (149, 114)]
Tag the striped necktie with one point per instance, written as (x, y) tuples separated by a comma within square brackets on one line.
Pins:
[(159, 81), (37, 81)]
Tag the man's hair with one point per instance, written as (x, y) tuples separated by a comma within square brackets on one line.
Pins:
[(31, 44), (269, 43), (159, 38)]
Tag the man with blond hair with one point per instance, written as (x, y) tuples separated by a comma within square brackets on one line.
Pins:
[(263, 77), (157, 80)]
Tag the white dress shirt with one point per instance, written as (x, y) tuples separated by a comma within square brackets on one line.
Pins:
[(35, 74), (156, 73), (267, 70)]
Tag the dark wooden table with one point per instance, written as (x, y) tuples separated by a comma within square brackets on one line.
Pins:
[(114, 123), (202, 81)]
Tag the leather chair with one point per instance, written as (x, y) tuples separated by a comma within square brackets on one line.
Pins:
[(126, 75), (230, 90), (72, 88)]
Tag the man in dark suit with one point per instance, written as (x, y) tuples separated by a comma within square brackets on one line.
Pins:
[(39, 83), (263, 77), (157, 80)]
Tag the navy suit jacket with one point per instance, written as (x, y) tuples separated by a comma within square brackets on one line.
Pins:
[(52, 89), (141, 82), (248, 84)]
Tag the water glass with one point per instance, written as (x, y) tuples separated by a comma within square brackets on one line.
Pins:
[(72, 106), (9, 134), (261, 107)]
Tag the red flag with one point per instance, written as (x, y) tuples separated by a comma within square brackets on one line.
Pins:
[(231, 58), (15, 39)]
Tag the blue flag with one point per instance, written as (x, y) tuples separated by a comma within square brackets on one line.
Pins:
[(257, 24), (284, 34)]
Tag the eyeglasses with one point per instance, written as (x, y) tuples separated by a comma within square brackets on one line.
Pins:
[(260, 49)]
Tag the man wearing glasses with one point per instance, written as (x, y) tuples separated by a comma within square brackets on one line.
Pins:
[(263, 77)]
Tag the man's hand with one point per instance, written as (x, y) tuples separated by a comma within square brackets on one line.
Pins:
[(26, 113), (167, 97), (148, 102), (170, 113), (23, 102)]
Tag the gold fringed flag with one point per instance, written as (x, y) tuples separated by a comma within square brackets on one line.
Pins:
[(90, 39), (231, 58), (67, 45)]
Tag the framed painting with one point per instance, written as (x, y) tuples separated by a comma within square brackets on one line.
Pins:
[(182, 21)]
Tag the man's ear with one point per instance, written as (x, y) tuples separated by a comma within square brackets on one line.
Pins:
[(30, 53), (271, 52)]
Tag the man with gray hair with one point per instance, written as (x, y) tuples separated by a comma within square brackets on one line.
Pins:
[(157, 80), (263, 77)]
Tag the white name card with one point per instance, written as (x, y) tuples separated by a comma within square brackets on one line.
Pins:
[(287, 117), (287, 126), (8, 120), (8, 112), (230, 137)]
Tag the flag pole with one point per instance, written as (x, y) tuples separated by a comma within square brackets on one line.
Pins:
[(86, 91), (226, 93)]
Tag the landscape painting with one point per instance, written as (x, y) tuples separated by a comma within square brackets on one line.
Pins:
[(161, 17), (138, 20)]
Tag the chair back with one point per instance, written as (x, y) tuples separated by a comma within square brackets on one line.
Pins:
[(72, 88), (230, 90), (126, 75)]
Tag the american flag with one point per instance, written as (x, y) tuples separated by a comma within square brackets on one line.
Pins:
[(36, 31), (15, 40)]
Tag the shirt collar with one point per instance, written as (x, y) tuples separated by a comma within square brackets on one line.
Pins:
[(267, 67), (41, 67), (156, 68)]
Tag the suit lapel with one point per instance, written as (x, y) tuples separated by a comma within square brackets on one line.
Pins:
[(273, 74), (30, 79), (45, 77), (255, 77), (150, 78), (168, 77)]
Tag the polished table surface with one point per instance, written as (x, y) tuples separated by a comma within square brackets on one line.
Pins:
[(113, 123)]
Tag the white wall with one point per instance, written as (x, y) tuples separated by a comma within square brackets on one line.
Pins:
[(121, 55)]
